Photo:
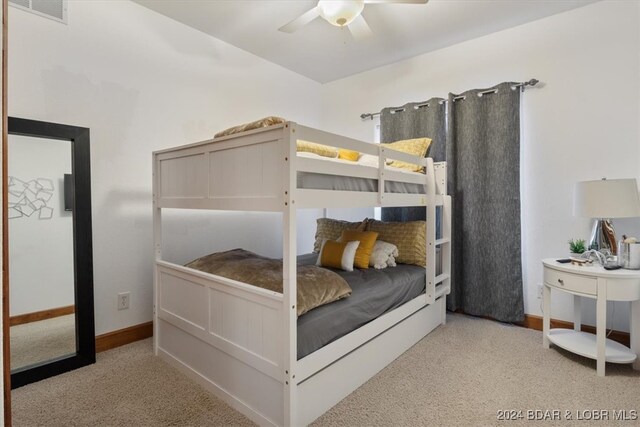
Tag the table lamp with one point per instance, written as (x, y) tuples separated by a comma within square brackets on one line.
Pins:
[(602, 200)]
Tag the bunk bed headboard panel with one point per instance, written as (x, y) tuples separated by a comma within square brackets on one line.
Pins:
[(235, 173), (235, 316), (183, 176), (233, 333), (252, 171)]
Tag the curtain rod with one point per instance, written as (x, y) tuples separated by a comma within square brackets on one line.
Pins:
[(521, 85)]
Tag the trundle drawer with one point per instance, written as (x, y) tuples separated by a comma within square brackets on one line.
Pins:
[(571, 282)]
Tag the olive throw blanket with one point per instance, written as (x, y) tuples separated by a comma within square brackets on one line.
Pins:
[(316, 286)]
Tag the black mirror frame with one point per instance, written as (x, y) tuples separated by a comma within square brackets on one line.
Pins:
[(82, 249)]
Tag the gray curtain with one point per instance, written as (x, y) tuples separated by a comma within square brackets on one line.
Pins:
[(414, 120), (483, 160)]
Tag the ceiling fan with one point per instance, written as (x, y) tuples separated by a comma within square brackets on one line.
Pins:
[(341, 13)]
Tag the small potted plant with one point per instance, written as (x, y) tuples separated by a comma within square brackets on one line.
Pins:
[(577, 247)]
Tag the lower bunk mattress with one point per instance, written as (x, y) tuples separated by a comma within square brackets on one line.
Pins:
[(374, 292)]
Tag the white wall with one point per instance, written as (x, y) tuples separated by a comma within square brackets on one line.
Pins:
[(142, 82), (41, 263), (581, 123), (258, 232)]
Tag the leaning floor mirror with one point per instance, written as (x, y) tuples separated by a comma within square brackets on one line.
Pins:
[(50, 250)]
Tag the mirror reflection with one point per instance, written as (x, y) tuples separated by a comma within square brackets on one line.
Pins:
[(41, 268)]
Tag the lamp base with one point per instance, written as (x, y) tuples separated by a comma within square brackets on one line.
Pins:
[(603, 237)]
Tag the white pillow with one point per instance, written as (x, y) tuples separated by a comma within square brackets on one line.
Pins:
[(371, 160), (368, 160), (383, 255)]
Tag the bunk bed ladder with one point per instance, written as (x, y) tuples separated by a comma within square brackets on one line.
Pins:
[(445, 243), (438, 286), (430, 231)]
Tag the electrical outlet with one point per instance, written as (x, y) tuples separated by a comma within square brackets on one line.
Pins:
[(539, 291), (123, 301)]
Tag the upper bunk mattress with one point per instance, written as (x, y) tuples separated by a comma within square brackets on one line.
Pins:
[(374, 292), (319, 181)]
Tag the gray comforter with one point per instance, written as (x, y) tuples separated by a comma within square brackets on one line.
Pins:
[(374, 292)]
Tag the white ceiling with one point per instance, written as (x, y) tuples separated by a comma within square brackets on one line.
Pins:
[(324, 53)]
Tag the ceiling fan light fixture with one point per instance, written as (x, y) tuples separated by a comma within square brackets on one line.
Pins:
[(340, 12)]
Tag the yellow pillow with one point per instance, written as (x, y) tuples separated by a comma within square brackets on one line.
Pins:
[(367, 241), (337, 254), (416, 147), (319, 149), (350, 155)]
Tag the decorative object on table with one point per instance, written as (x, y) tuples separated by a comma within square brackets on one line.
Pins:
[(602, 200), (604, 258), (582, 262), (629, 253), (577, 246)]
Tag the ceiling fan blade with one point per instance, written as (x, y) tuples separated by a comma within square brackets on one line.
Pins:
[(396, 1), (300, 21), (359, 28)]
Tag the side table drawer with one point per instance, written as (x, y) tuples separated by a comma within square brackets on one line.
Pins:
[(571, 282)]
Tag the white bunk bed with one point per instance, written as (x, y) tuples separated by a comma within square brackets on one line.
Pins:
[(240, 341)]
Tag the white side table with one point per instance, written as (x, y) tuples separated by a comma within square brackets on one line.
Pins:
[(602, 285)]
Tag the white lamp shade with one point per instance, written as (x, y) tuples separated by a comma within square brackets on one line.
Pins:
[(607, 198)]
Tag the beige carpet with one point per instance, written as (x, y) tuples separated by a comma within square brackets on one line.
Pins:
[(37, 342), (461, 374)]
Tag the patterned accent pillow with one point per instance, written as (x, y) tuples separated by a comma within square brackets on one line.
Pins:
[(337, 254), (416, 147), (331, 229), (319, 149), (409, 237)]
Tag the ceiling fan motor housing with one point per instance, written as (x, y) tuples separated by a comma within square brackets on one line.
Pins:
[(340, 12)]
